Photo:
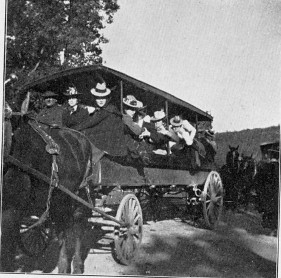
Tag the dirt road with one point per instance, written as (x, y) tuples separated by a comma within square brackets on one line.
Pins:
[(238, 248)]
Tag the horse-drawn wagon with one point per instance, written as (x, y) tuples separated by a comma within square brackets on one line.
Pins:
[(49, 161)]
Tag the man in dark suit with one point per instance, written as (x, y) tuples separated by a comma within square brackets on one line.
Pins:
[(51, 114)]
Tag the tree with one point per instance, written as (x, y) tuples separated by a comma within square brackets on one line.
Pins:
[(47, 35)]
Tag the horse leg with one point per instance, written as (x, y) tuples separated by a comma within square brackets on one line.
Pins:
[(65, 256), (71, 248), (81, 215), (78, 264), (9, 237)]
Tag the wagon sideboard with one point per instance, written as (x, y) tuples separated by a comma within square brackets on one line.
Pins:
[(113, 173)]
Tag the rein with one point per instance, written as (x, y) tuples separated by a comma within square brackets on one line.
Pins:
[(52, 148)]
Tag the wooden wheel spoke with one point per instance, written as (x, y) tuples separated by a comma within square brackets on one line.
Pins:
[(217, 199), (209, 207), (137, 218), (127, 213), (135, 211)]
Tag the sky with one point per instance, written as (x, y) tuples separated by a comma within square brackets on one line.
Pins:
[(223, 56)]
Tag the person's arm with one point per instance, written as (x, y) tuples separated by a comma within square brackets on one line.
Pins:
[(188, 132), (173, 136), (91, 121), (133, 127), (188, 126), (158, 138)]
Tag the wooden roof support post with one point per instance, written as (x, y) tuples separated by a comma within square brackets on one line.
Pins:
[(121, 96), (196, 121), (167, 122)]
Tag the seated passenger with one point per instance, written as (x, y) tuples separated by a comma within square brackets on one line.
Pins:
[(74, 113), (104, 127), (184, 133), (137, 149), (210, 145), (51, 114), (155, 133), (131, 104)]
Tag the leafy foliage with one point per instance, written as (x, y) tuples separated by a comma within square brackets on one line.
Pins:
[(47, 35), (249, 141)]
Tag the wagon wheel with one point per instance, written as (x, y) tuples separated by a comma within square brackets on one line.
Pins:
[(212, 199), (127, 239), (35, 241)]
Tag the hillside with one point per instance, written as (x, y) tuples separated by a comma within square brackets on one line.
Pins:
[(248, 141)]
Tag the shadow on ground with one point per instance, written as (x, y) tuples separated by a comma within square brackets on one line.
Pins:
[(180, 247), (200, 254)]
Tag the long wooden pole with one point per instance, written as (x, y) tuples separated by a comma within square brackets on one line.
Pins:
[(121, 96), (46, 179), (167, 122)]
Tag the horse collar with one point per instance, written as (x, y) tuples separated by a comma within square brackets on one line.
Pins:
[(51, 146)]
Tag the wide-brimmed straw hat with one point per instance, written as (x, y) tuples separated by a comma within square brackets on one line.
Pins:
[(158, 115), (72, 92), (132, 102), (100, 90), (176, 121), (49, 94)]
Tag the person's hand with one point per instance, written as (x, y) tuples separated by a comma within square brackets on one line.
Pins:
[(146, 119), (145, 133), (90, 109), (164, 131), (188, 141), (181, 131)]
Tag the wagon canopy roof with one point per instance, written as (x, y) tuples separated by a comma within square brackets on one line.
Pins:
[(85, 78)]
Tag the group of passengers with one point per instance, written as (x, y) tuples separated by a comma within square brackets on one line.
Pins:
[(132, 133)]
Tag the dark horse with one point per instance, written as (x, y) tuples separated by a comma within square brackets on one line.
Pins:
[(24, 192), (230, 173), (248, 171), (266, 182)]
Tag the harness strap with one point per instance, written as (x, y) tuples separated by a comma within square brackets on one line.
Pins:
[(52, 147)]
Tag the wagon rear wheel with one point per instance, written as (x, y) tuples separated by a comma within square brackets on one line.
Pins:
[(127, 239), (212, 199)]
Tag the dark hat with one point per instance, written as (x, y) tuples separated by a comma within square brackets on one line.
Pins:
[(49, 94), (176, 121), (72, 92)]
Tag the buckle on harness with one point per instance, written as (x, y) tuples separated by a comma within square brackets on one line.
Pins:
[(52, 149)]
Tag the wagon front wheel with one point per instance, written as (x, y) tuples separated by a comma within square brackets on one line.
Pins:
[(128, 237), (212, 199)]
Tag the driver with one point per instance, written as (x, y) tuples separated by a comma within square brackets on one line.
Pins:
[(51, 114)]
